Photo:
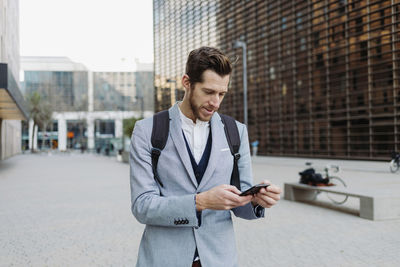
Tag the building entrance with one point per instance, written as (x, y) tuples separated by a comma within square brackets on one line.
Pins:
[(105, 140), (77, 135)]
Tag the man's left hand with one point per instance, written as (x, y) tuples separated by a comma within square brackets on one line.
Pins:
[(267, 197)]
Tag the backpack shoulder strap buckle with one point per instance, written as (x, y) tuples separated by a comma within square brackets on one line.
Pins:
[(155, 152)]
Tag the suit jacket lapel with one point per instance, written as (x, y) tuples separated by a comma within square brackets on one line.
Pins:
[(218, 136), (177, 138)]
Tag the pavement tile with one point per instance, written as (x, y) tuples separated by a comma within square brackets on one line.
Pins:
[(74, 210)]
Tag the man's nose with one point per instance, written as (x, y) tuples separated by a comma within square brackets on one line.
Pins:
[(215, 101)]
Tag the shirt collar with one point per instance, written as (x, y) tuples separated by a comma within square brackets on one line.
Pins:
[(188, 121)]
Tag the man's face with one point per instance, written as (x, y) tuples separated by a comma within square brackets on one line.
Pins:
[(206, 97)]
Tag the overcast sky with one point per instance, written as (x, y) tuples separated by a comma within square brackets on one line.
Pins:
[(101, 34)]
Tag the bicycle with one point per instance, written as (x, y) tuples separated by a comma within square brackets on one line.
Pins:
[(310, 177), (394, 164)]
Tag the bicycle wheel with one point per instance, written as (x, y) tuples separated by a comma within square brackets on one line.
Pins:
[(394, 166), (339, 183)]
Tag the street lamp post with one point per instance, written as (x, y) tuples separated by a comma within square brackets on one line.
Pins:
[(238, 44)]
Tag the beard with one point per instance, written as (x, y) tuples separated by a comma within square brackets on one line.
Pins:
[(196, 109)]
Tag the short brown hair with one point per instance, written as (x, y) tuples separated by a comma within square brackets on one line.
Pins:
[(206, 58)]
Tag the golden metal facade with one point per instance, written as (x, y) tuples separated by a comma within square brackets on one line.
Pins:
[(323, 76)]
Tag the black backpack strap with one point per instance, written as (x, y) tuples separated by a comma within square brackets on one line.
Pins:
[(233, 138), (159, 137)]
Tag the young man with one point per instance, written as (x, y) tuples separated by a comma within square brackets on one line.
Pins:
[(188, 219)]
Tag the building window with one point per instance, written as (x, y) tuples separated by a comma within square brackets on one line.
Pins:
[(302, 44), (359, 27), (229, 23), (320, 61), (315, 36), (272, 73), (364, 49), (360, 101), (284, 26), (299, 21)]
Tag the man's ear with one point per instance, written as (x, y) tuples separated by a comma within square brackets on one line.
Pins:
[(186, 82)]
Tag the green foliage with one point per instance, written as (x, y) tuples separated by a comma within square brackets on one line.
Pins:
[(45, 115), (34, 102), (129, 124), (40, 111)]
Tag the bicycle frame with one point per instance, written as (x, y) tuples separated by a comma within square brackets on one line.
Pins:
[(329, 177)]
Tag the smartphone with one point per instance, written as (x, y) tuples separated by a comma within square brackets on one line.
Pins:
[(254, 190)]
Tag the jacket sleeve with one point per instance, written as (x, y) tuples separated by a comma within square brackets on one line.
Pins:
[(148, 206), (246, 177)]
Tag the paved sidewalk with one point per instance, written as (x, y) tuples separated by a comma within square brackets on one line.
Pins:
[(297, 234), (74, 210)]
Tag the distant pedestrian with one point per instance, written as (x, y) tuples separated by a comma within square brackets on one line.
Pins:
[(187, 210), (82, 148)]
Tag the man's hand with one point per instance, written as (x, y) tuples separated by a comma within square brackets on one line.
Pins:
[(267, 197), (222, 197)]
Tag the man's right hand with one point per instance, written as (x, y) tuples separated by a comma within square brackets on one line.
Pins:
[(222, 197)]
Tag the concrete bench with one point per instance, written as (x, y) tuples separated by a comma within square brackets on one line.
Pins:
[(373, 206)]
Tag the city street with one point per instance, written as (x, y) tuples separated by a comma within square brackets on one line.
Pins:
[(74, 210)]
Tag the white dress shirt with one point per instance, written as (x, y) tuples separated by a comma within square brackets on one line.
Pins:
[(196, 135)]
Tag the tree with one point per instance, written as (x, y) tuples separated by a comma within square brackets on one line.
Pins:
[(40, 112), (82, 107), (34, 102), (46, 118), (129, 124)]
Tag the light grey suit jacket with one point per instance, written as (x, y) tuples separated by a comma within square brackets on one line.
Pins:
[(172, 230)]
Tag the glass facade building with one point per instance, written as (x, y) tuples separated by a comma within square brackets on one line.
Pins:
[(64, 90), (179, 26), (144, 89), (323, 76), (88, 107), (114, 91)]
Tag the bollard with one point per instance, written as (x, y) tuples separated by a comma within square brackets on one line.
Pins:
[(254, 146)]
